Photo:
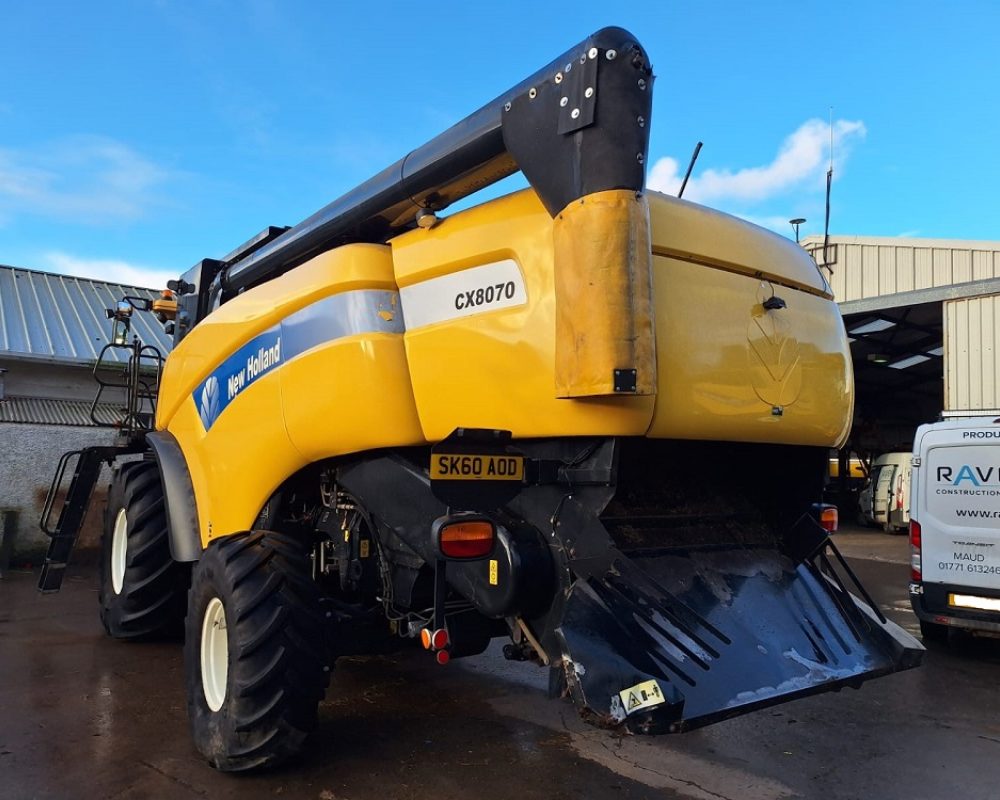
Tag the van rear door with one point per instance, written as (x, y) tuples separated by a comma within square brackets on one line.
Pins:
[(884, 482), (960, 513)]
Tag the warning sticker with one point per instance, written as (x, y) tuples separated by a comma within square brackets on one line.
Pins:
[(643, 695), (494, 572)]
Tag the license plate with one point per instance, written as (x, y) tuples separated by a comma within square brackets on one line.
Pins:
[(472, 467)]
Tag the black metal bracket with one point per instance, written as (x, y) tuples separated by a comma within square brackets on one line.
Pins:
[(578, 82), (584, 127), (625, 381)]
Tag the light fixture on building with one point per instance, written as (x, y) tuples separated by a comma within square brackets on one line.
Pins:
[(919, 358), (872, 327), (878, 358)]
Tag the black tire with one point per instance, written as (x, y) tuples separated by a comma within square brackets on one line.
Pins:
[(148, 598), (278, 664), (933, 632)]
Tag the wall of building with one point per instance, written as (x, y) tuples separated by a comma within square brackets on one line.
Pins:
[(27, 378), (972, 354), (873, 266), (28, 457)]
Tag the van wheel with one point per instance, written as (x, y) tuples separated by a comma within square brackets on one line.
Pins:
[(933, 632), (255, 658), (143, 590)]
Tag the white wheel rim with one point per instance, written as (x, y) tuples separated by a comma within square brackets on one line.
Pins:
[(119, 551), (214, 654)]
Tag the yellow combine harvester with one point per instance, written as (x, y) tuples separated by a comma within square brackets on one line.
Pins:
[(591, 419)]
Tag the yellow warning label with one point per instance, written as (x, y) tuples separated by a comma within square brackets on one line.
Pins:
[(643, 695), (364, 548), (494, 572)]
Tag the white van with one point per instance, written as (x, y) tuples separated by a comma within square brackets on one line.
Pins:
[(885, 499), (955, 526)]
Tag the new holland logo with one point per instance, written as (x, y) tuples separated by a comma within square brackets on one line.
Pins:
[(208, 408), (773, 354), (236, 374)]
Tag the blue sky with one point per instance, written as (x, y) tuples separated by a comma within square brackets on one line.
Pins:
[(139, 137)]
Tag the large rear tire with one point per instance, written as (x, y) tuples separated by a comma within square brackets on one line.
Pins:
[(143, 590), (256, 662)]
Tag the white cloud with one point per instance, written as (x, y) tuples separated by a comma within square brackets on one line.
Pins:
[(90, 179), (802, 158), (107, 269)]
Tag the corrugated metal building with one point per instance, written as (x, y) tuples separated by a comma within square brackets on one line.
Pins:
[(877, 266), (52, 329), (60, 318), (924, 321)]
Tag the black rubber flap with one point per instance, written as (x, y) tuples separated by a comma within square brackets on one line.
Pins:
[(721, 632)]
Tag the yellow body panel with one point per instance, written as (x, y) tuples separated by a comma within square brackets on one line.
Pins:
[(496, 369), (729, 369), (339, 382), (373, 346), (359, 266), (735, 372), (726, 368), (239, 463), (351, 395), (690, 232)]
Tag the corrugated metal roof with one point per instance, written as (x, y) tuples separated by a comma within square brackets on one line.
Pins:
[(61, 318), (38, 411)]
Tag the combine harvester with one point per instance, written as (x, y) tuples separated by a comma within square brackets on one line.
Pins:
[(590, 418)]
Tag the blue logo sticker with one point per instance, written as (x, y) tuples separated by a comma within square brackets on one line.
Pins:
[(252, 361), (326, 320)]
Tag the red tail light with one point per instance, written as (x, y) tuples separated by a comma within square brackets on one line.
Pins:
[(915, 573), (899, 492)]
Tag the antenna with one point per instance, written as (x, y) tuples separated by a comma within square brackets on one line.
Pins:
[(831, 138), (829, 182), (694, 157)]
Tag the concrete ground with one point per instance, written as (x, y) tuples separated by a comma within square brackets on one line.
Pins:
[(82, 716)]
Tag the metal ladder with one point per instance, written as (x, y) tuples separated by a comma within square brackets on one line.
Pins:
[(63, 536)]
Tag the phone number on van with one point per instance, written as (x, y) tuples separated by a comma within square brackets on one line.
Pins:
[(951, 566)]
